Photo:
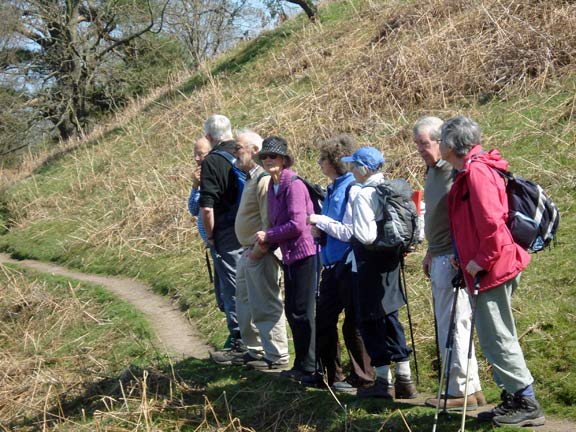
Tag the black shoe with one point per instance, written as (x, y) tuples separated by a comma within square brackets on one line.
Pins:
[(295, 374), (314, 380), (405, 388), (244, 359), (227, 357), (525, 412), (265, 364), (502, 408), (381, 389)]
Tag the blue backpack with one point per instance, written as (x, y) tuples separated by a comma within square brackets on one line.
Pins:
[(533, 218)]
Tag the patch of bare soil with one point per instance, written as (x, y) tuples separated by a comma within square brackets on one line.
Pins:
[(174, 332)]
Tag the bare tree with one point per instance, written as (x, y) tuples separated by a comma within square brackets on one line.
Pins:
[(211, 26), (58, 47)]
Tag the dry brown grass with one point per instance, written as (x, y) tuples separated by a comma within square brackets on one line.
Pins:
[(371, 75), (55, 375)]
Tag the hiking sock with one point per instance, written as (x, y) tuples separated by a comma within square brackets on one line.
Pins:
[(384, 372), (403, 368), (526, 392)]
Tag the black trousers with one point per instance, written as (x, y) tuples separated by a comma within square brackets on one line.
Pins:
[(385, 340), (299, 289), (336, 296)]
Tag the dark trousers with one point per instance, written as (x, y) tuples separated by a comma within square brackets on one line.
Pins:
[(227, 253), (384, 340), (335, 297), (299, 284)]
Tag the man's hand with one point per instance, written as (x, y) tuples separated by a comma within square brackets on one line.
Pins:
[(473, 269), (427, 263), (257, 251), (454, 262), (196, 177)]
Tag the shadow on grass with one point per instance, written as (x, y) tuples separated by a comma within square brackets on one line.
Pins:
[(198, 393)]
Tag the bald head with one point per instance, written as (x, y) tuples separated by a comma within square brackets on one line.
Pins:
[(201, 148)]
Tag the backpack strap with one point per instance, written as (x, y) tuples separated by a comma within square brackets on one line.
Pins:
[(226, 155), (261, 176), (346, 198)]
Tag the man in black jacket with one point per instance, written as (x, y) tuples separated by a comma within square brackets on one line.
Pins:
[(219, 199)]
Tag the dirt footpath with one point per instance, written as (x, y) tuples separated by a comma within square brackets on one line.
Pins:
[(175, 333), (177, 336)]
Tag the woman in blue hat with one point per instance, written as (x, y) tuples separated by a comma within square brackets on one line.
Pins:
[(376, 285)]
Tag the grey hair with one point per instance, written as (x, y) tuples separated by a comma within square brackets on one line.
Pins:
[(460, 134), (430, 124), (365, 171), (251, 137), (218, 127)]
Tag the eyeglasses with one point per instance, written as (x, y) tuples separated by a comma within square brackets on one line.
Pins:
[(268, 156)]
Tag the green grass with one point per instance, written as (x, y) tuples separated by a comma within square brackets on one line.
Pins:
[(84, 209)]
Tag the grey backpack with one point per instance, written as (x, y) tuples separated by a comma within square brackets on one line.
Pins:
[(398, 230)]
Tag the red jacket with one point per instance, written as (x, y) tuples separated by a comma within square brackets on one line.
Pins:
[(478, 209)]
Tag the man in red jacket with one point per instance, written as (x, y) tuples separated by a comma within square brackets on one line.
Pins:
[(478, 209)]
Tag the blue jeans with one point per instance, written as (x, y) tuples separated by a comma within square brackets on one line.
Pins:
[(227, 254)]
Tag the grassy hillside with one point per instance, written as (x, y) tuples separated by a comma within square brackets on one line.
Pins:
[(116, 204)]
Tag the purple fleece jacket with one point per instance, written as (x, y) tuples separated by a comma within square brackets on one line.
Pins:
[(288, 210)]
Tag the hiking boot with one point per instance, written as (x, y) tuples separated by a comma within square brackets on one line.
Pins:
[(525, 412), (225, 357), (265, 364), (228, 344), (314, 380), (295, 374), (405, 388), (343, 387), (501, 409), (381, 389), (356, 382), (454, 403), (244, 359)]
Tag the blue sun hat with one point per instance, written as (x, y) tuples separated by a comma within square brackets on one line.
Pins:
[(368, 157)]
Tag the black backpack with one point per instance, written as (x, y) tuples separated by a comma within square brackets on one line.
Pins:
[(398, 230), (533, 218), (317, 193)]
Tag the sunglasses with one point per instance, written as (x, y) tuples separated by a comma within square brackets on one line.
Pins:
[(268, 156)]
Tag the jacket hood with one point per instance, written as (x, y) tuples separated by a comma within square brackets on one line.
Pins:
[(492, 158)]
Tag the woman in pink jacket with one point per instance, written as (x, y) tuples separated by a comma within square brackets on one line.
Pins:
[(478, 209), (289, 206)]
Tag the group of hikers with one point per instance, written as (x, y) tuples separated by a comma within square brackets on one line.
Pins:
[(257, 217)]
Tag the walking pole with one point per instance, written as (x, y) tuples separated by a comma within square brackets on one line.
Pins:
[(403, 284), (447, 359), (208, 266), (457, 283), (470, 346), (438, 359), (319, 371)]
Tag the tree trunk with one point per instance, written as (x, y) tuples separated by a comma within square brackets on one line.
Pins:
[(308, 7)]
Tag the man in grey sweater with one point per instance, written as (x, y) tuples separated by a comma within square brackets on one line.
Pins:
[(437, 266)]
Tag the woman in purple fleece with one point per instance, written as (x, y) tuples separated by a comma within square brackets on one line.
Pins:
[(289, 205)]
